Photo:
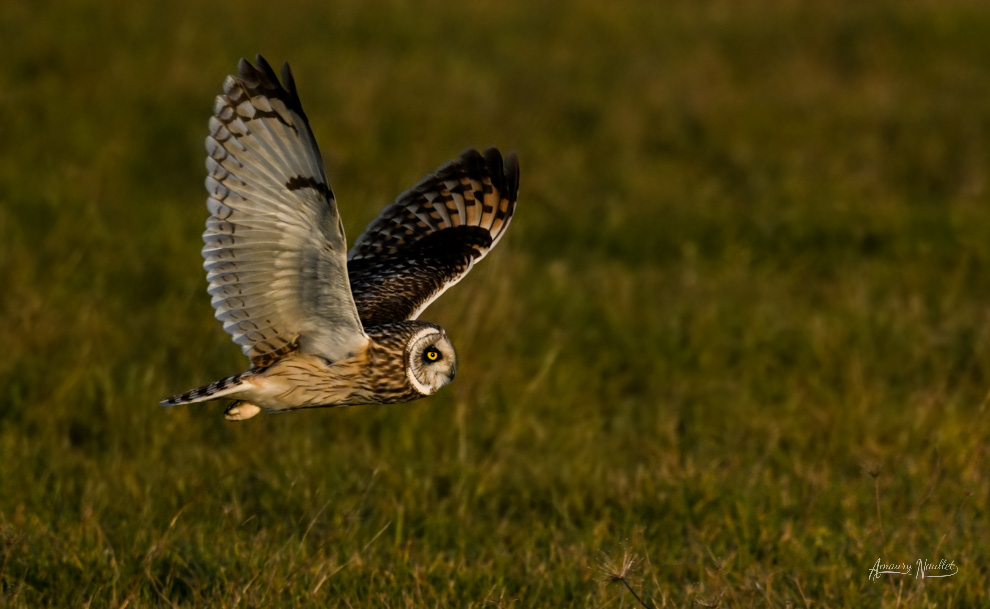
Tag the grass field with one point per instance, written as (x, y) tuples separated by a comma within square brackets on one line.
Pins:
[(740, 329)]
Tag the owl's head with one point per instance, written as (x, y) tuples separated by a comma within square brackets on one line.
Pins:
[(431, 361)]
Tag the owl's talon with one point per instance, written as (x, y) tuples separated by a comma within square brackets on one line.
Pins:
[(239, 411)]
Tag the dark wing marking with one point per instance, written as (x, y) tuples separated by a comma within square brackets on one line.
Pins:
[(432, 235), (399, 285), (274, 247)]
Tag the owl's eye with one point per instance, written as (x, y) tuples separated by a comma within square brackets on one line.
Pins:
[(432, 354)]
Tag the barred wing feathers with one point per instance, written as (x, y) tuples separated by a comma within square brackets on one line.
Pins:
[(432, 236), (274, 245)]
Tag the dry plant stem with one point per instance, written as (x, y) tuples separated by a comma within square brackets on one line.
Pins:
[(633, 592), (620, 573), (876, 495), (875, 473)]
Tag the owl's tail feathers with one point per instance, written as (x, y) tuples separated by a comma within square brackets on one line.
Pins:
[(216, 389)]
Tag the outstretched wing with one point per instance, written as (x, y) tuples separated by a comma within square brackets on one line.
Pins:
[(432, 235), (275, 248)]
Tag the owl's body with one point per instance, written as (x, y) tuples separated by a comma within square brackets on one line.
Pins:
[(322, 328), (377, 374)]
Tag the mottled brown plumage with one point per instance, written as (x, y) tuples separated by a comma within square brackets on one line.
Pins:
[(321, 327)]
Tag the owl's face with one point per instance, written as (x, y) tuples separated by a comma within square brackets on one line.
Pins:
[(431, 361)]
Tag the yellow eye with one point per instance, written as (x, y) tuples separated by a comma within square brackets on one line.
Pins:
[(432, 354)]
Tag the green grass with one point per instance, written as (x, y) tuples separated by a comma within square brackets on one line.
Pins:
[(749, 271)]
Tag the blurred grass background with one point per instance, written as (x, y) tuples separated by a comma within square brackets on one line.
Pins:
[(739, 328)]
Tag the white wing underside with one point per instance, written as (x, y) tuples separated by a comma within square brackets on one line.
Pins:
[(275, 251)]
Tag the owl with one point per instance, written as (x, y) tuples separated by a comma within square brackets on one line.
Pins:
[(323, 326)]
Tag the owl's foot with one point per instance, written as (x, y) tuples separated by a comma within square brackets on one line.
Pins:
[(239, 411)]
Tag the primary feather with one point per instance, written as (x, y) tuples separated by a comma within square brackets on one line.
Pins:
[(274, 245), (433, 234)]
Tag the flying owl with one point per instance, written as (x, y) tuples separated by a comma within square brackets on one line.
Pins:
[(323, 326)]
